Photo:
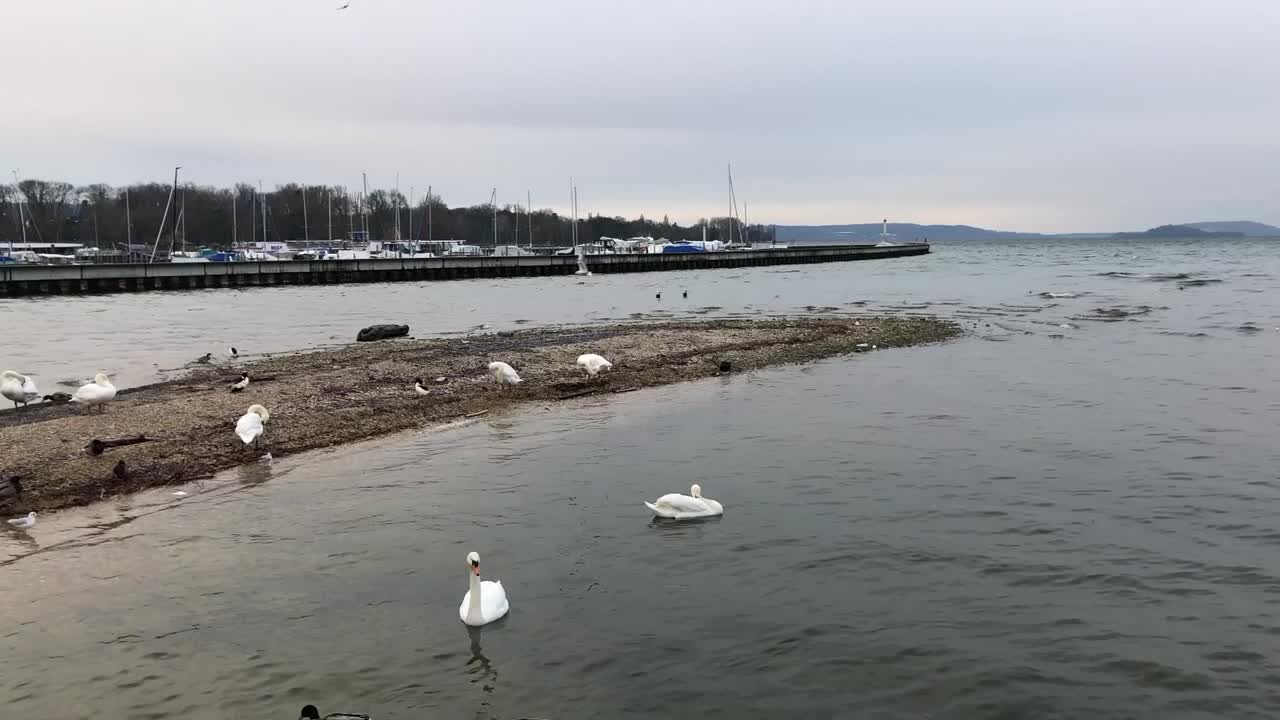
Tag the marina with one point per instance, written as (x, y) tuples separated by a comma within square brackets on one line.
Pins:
[(18, 280)]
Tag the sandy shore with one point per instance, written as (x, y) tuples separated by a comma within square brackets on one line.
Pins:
[(329, 397)]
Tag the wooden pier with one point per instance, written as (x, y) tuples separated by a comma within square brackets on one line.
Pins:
[(18, 280)]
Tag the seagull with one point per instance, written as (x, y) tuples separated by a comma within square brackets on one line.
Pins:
[(23, 523), (233, 352), (242, 384), (417, 387)]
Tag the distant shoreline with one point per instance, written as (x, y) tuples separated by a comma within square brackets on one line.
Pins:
[(330, 397)]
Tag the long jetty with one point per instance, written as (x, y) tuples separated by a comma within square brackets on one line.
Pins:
[(18, 280)]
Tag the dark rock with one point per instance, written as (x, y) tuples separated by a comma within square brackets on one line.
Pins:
[(725, 366), (382, 332)]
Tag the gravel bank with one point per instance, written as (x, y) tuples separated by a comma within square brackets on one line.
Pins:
[(329, 397)]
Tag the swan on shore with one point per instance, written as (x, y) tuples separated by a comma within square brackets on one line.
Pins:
[(683, 507), (485, 601), (250, 425), (97, 393), (309, 712), (418, 388), (23, 523), (593, 364), (18, 387), (504, 374), (241, 384)]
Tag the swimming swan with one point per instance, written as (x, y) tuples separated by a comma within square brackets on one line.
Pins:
[(250, 425), (485, 601), (593, 364), (504, 374), (18, 387), (97, 393), (682, 507)]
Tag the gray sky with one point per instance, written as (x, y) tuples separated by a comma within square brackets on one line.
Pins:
[(1037, 115)]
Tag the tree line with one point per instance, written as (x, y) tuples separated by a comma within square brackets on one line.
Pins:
[(103, 216)]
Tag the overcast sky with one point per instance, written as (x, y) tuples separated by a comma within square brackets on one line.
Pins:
[(1036, 115)]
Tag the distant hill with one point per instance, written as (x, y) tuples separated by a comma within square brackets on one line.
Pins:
[(1248, 228), (907, 232), (1177, 231), (903, 232)]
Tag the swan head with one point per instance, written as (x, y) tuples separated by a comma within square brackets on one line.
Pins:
[(495, 366), (260, 412), (473, 562), (12, 375), (696, 490), (101, 379)]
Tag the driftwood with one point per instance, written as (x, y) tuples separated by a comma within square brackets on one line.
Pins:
[(97, 446), (476, 414)]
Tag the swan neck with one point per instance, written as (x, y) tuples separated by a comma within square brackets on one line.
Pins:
[(473, 610)]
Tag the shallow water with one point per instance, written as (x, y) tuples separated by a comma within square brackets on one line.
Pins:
[(1012, 525)]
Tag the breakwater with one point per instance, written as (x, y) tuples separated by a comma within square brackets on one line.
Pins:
[(16, 280)]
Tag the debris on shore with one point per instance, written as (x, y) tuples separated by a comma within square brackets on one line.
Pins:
[(329, 397)]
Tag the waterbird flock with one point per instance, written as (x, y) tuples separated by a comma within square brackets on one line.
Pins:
[(485, 601)]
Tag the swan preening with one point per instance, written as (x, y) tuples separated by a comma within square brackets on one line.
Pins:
[(485, 601), (250, 425), (18, 387), (593, 364), (504, 374), (23, 523), (97, 393), (309, 712), (241, 384), (683, 507)]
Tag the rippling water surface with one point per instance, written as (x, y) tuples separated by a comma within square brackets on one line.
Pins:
[(1070, 513)]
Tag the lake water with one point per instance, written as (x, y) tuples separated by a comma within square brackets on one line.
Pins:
[(1055, 517)]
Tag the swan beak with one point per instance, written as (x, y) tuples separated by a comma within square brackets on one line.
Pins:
[(475, 569)]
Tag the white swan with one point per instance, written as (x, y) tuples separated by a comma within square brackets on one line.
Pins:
[(250, 425), (18, 387), (485, 601), (593, 364), (504, 374), (683, 507), (97, 393), (23, 523)]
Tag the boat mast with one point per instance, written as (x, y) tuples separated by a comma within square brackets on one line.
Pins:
[(328, 198), (364, 202), (235, 227), (306, 228), (528, 215), (21, 219), (165, 216), (263, 195), (411, 189), (493, 200), (428, 213), (128, 220)]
